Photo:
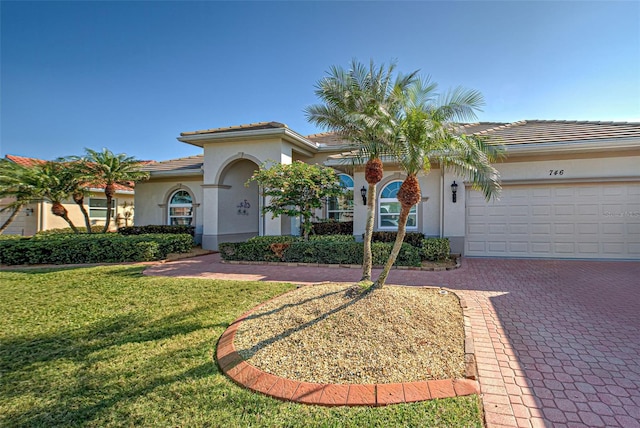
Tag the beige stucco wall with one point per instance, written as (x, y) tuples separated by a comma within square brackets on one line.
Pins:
[(152, 197), (28, 223)]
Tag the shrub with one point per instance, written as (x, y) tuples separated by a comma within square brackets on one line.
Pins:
[(332, 227), (156, 229), (408, 255), (95, 248), (68, 230), (333, 238), (413, 238), (273, 239), (435, 249), (324, 251)]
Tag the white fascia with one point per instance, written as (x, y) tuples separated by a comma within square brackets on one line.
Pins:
[(286, 134), (177, 173), (118, 192)]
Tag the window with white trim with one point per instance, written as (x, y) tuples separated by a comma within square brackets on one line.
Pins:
[(180, 208), (341, 208), (389, 209), (98, 208)]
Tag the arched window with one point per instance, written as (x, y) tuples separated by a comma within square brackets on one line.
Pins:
[(341, 208), (180, 208), (389, 209)]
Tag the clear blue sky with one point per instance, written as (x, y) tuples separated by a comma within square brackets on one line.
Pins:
[(130, 76)]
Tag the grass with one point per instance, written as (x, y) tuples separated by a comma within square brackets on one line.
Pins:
[(107, 346)]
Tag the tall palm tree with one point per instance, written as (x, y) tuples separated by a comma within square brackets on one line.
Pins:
[(361, 104), (108, 169), (426, 129)]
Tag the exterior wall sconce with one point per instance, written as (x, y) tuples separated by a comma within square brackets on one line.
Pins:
[(454, 191), (363, 193), (28, 211)]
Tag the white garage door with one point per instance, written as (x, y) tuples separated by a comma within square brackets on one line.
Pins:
[(600, 221)]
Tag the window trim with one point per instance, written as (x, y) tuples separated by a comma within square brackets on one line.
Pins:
[(114, 208), (170, 205), (393, 199), (341, 212)]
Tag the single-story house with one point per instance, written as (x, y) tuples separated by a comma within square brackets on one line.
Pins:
[(571, 189), (36, 217)]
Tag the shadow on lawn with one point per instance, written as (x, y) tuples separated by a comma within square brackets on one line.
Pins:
[(100, 375)]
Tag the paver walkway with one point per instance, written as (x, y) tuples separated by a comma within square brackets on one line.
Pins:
[(557, 342)]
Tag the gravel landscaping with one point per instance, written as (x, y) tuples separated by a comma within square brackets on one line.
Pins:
[(331, 333)]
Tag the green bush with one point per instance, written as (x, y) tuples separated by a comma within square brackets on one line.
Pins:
[(333, 238), (155, 229), (332, 227), (413, 238), (94, 248), (324, 251), (435, 249), (408, 255), (68, 230), (273, 239)]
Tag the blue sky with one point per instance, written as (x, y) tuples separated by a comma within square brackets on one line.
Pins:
[(130, 76)]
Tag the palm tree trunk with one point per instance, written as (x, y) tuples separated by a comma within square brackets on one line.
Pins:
[(367, 258), (12, 217), (58, 209), (87, 221), (402, 229), (108, 219)]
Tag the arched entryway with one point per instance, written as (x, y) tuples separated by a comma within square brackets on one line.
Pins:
[(238, 205)]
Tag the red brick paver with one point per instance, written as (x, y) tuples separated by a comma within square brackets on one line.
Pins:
[(556, 342)]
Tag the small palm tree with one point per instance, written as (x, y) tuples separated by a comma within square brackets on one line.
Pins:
[(12, 186), (361, 105), (108, 169), (54, 182), (426, 129)]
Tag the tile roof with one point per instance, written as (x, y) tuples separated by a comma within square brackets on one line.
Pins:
[(180, 164), (246, 127), (29, 162), (555, 131), (328, 139), (24, 161)]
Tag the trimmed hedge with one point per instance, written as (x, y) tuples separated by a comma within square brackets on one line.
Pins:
[(156, 229), (435, 249), (85, 248), (324, 251), (413, 238), (333, 227), (69, 231)]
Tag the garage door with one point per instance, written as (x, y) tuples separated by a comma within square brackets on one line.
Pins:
[(600, 221)]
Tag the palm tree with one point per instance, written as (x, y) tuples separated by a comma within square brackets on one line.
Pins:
[(108, 169), (12, 186), (427, 130), (361, 105)]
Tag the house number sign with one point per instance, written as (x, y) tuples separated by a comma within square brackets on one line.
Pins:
[(556, 172), (243, 207)]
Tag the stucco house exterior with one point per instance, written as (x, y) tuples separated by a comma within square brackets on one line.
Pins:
[(570, 190), (37, 217)]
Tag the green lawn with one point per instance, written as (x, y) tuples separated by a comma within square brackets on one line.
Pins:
[(106, 346)]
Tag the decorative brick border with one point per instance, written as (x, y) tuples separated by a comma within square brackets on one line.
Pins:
[(244, 374), (430, 269)]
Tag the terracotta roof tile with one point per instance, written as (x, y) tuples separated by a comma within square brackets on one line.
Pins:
[(24, 161), (29, 162), (245, 127)]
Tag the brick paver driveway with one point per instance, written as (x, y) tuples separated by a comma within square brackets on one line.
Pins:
[(557, 342)]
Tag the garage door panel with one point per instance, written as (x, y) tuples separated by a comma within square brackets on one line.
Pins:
[(568, 221)]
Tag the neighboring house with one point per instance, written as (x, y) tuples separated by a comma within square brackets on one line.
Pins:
[(36, 217), (570, 190)]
